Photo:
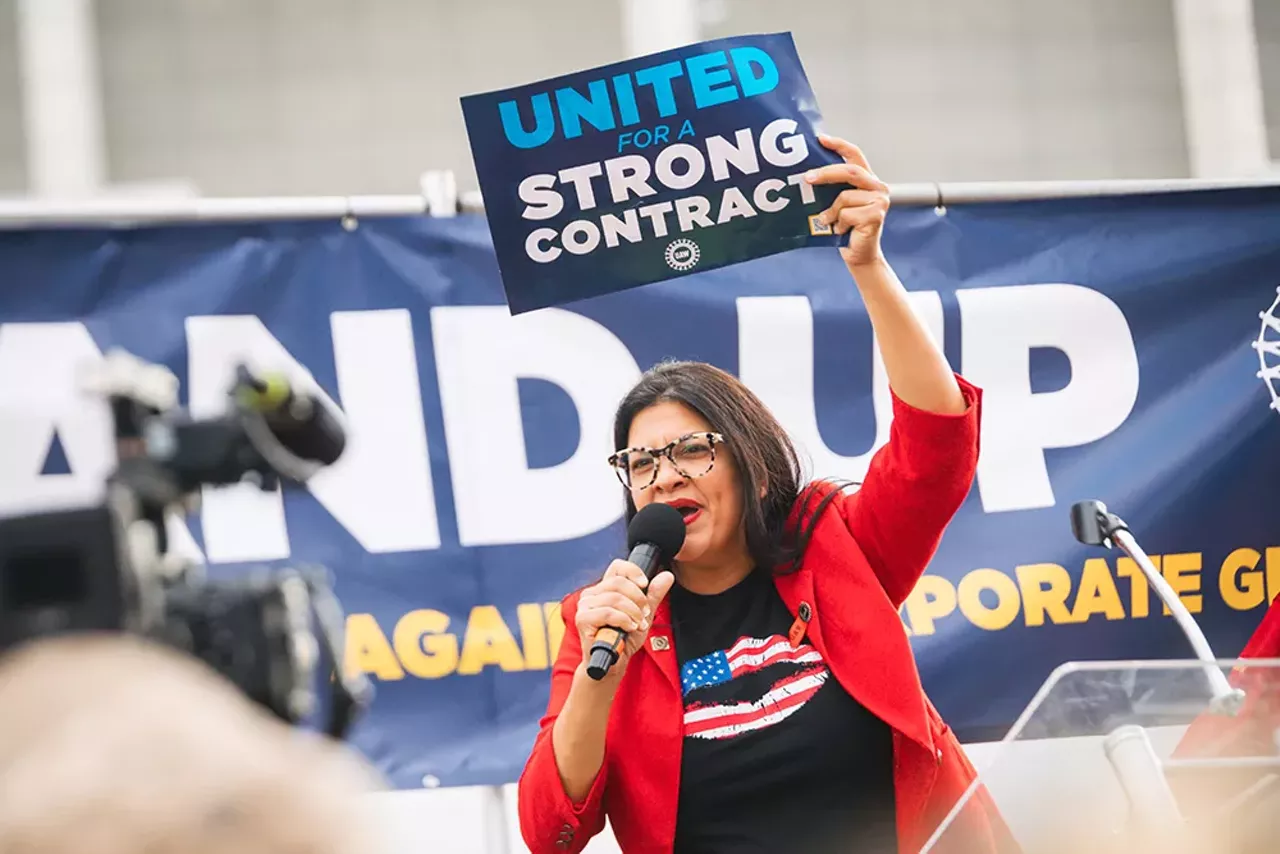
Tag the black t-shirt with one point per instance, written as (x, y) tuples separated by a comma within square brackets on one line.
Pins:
[(777, 756)]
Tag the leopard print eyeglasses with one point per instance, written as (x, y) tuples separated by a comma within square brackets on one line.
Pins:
[(692, 455)]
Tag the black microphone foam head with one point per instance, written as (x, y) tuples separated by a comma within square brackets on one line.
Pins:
[(659, 524)]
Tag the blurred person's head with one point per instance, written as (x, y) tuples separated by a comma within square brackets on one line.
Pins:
[(111, 745)]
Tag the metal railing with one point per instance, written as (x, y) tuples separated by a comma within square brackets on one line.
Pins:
[(443, 201)]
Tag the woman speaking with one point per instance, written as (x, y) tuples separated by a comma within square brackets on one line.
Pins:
[(767, 699)]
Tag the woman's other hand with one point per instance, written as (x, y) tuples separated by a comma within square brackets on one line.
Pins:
[(623, 599)]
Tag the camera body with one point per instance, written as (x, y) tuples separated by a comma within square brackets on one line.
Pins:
[(108, 567)]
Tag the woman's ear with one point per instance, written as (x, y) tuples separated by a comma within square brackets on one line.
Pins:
[(764, 482)]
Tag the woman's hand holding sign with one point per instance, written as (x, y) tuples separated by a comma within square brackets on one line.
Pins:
[(861, 209)]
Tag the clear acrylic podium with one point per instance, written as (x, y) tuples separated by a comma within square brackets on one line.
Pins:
[(1139, 757)]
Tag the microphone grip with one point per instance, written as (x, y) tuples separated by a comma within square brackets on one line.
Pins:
[(605, 651), (610, 641)]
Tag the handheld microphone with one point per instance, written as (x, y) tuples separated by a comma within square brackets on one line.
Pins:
[(297, 419), (655, 535)]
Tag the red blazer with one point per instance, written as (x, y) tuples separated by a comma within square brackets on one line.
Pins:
[(1265, 642), (1251, 731), (866, 554)]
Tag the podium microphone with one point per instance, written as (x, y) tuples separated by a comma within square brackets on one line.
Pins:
[(1094, 525), (655, 536)]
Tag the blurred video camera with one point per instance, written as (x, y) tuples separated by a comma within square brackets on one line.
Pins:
[(109, 567)]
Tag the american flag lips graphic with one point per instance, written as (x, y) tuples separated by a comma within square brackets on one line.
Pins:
[(785, 696)]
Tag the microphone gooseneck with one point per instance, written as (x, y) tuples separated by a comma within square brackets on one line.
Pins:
[(655, 536)]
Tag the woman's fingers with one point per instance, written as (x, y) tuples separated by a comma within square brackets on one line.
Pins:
[(634, 610), (658, 590), (622, 586), (627, 569), (598, 616), (624, 598), (850, 199), (859, 212), (850, 219), (846, 173), (850, 152)]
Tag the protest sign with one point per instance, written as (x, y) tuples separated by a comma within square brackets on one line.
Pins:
[(648, 169)]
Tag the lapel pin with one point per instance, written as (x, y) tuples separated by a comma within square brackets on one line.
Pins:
[(659, 644)]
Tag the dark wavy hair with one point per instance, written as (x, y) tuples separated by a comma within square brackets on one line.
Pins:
[(761, 447)]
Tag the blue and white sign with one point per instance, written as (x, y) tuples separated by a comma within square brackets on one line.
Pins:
[(649, 169)]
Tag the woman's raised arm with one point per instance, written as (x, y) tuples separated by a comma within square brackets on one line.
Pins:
[(918, 371), (915, 483)]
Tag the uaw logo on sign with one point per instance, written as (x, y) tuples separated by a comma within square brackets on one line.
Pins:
[(682, 254), (660, 166)]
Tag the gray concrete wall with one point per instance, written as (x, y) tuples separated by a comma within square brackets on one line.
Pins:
[(13, 171), (978, 90), (322, 96)]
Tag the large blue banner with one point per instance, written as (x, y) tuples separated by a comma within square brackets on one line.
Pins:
[(1112, 338), (651, 168)]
